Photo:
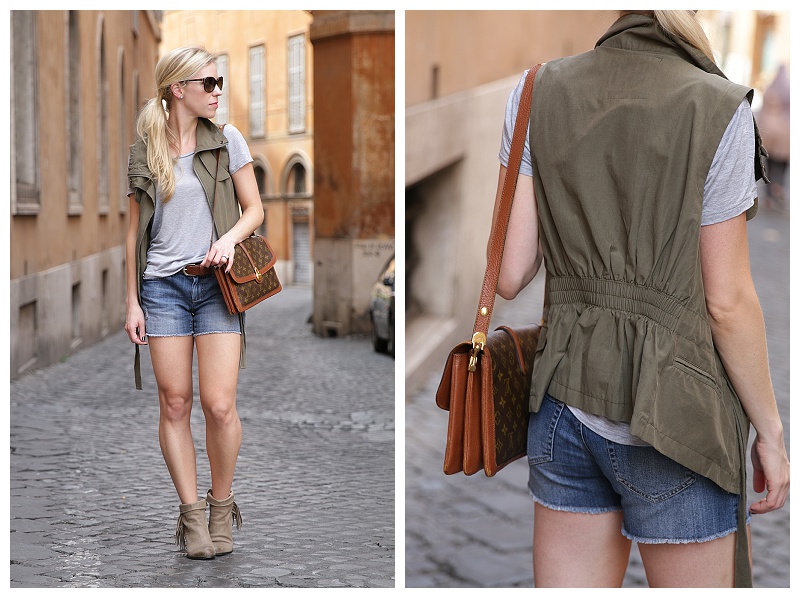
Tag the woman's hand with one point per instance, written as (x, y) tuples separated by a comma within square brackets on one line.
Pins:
[(134, 325), (220, 253), (770, 473)]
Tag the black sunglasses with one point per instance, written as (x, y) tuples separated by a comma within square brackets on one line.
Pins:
[(208, 83)]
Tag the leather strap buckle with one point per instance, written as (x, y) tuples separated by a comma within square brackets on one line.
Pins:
[(196, 270)]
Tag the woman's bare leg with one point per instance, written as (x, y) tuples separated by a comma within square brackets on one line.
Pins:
[(218, 364), (578, 549), (172, 365), (697, 565)]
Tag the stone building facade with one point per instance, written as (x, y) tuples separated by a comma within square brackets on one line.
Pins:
[(78, 79)]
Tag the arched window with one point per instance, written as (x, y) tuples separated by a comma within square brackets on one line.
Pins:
[(296, 185), (296, 181), (261, 179)]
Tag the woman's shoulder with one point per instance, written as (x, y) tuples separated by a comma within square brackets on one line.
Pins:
[(230, 131), (138, 146), (237, 147), (137, 158), (236, 141)]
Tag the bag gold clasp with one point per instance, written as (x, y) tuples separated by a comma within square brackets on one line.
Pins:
[(478, 343)]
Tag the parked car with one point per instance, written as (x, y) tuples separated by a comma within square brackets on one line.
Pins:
[(381, 309)]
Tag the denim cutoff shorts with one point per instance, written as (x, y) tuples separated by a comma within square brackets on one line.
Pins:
[(183, 305), (574, 469)]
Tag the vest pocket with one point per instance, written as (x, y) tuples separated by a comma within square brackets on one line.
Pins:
[(689, 368), (690, 422)]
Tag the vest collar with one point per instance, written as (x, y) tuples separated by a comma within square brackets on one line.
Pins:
[(208, 136), (641, 32)]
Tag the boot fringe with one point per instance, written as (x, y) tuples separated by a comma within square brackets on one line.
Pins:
[(236, 515), (180, 533)]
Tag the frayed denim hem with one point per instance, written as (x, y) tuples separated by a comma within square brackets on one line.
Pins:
[(178, 334), (639, 540), (716, 536), (585, 510), (193, 334), (219, 332)]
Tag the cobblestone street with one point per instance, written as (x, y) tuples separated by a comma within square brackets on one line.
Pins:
[(92, 504)]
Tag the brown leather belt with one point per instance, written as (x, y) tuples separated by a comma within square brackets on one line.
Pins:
[(196, 270)]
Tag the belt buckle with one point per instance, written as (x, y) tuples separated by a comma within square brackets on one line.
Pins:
[(187, 273)]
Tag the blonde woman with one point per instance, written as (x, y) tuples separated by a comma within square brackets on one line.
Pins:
[(181, 164), (639, 176)]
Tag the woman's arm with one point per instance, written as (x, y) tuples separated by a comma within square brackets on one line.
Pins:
[(134, 316), (737, 327), (522, 254), (244, 181)]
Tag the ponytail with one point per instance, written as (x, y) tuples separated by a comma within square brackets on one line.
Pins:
[(682, 24), (152, 127)]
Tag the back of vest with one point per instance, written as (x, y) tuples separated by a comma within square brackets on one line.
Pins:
[(622, 138)]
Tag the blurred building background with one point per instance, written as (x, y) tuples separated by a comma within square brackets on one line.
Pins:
[(460, 68), (298, 84)]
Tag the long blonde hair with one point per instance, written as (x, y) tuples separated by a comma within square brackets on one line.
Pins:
[(683, 24), (151, 125)]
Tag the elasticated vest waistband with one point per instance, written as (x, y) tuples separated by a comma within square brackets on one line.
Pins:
[(616, 295)]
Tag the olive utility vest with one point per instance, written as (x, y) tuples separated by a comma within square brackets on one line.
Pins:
[(204, 163), (622, 138)]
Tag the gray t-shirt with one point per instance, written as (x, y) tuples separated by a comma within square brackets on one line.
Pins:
[(730, 189), (182, 227)]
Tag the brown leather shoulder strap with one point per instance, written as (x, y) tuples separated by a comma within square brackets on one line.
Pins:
[(498, 235)]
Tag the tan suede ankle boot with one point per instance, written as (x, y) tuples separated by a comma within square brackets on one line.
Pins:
[(191, 534), (220, 522)]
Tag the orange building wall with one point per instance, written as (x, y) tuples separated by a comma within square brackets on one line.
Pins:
[(355, 122), (354, 142)]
